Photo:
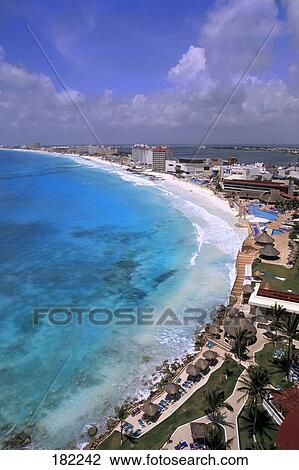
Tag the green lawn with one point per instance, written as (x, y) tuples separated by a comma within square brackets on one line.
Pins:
[(272, 270), (192, 409), (266, 429), (277, 371)]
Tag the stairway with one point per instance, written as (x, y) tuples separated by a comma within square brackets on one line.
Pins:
[(242, 260)]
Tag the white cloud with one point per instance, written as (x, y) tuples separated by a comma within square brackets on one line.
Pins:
[(190, 65), (33, 109)]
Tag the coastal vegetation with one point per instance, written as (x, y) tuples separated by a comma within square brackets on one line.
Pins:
[(121, 414), (289, 326), (215, 438), (276, 369), (192, 409), (266, 429), (255, 384), (242, 336), (216, 403), (277, 312)]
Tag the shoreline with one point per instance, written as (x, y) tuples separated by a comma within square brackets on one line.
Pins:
[(192, 193)]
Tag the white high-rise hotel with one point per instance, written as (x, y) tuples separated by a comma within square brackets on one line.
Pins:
[(158, 158), (142, 154)]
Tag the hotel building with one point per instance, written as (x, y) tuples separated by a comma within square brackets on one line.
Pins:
[(160, 155), (142, 154)]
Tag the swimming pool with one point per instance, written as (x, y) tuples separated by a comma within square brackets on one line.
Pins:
[(254, 209)]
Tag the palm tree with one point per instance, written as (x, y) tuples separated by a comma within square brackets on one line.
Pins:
[(227, 359), (215, 439), (254, 386), (290, 329), (241, 339), (265, 428), (121, 414), (215, 403), (277, 312)]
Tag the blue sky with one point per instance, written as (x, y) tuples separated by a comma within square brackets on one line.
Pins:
[(95, 44), (149, 70)]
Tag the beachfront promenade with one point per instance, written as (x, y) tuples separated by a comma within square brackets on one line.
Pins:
[(183, 432), (230, 425), (183, 376)]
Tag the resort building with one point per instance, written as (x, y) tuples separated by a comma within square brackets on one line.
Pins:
[(160, 155), (237, 185), (289, 172), (170, 166), (101, 150), (195, 168), (246, 172), (266, 298), (142, 154)]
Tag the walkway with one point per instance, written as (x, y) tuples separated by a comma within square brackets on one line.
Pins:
[(176, 404), (245, 256), (183, 433)]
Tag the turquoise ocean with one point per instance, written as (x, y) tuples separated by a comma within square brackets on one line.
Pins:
[(78, 235)]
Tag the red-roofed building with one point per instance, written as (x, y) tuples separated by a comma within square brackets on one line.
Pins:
[(287, 437), (284, 188), (287, 400)]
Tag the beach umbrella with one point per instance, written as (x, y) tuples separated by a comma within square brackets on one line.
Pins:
[(269, 251), (198, 430), (192, 370), (202, 364), (150, 409), (171, 388), (210, 355), (264, 239), (233, 324), (248, 289)]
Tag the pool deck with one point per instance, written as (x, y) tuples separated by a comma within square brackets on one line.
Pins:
[(281, 240)]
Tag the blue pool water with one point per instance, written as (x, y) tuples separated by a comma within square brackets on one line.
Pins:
[(254, 209), (79, 236)]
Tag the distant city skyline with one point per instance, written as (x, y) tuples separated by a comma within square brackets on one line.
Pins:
[(149, 72)]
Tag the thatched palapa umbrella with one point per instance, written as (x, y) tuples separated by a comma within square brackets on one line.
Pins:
[(202, 364), (264, 239), (210, 355), (198, 431), (192, 370), (171, 388), (232, 325), (150, 409), (269, 251)]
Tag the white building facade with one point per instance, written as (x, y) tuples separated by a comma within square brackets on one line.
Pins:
[(142, 154)]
